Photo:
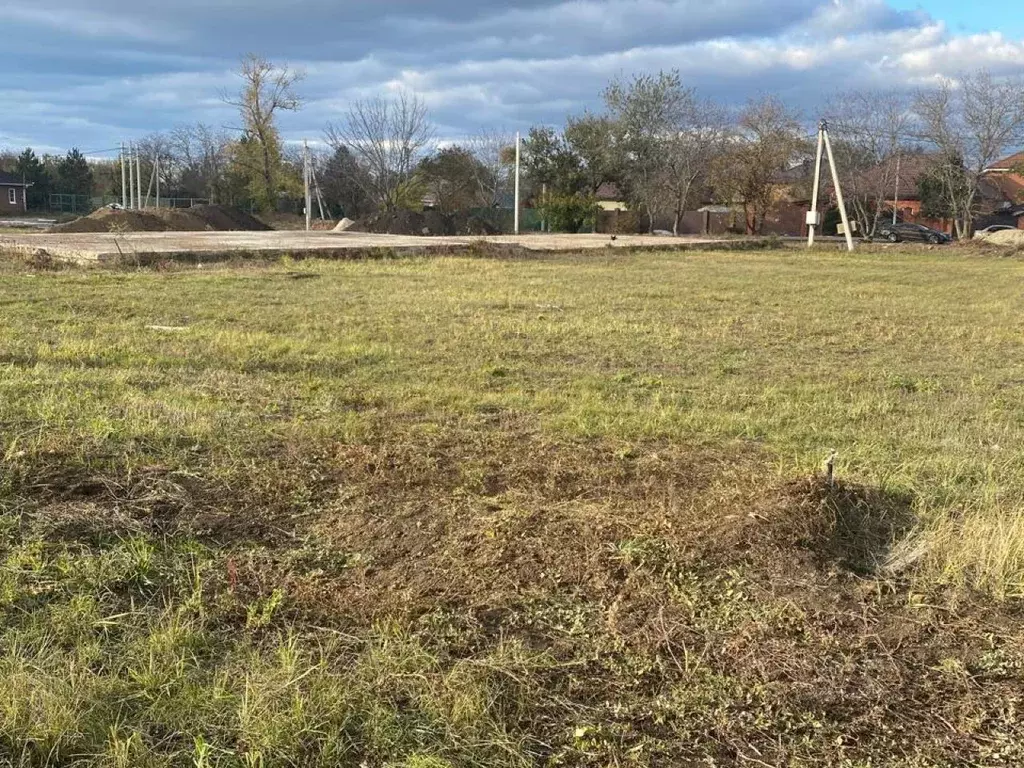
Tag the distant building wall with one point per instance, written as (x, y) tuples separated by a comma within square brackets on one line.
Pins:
[(6, 206)]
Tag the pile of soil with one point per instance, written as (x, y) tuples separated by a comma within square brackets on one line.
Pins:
[(425, 223), (473, 225), (201, 218), (1006, 237), (405, 222)]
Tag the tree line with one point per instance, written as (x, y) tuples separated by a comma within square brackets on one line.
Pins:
[(665, 147)]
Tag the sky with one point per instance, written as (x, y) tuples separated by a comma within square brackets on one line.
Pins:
[(93, 74)]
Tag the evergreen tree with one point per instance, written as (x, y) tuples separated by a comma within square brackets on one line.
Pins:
[(74, 176), (31, 168)]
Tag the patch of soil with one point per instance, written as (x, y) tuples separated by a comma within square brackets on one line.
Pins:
[(201, 218), (692, 607)]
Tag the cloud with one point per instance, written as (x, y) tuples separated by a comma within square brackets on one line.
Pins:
[(477, 65), (79, 22)]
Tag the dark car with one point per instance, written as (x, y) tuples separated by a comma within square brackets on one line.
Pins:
[(897, 233)]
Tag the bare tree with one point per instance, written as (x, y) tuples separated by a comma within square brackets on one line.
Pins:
[(156, 158), (972, 122), (495, 155), (689, 154), (869, 131), (266, 90), (387, 137), (200, 156), (768, 137)]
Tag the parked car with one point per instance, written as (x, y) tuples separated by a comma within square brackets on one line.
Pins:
[(903, 231)]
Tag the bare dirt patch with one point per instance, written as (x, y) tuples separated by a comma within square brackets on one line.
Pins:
[(690, 606)]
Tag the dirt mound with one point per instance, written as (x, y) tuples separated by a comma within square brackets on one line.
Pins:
[(1006, 237), (110, 220), (425, 223), (224, 218), (466, 224), (201, 218)]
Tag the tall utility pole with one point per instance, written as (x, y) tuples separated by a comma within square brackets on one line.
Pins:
[(138, 178), (131, 177), (814, 218), (124, 180), (305, 183), (518, 142), (896, 197)]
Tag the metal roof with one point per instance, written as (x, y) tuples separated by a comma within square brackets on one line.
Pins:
[(11, 180)]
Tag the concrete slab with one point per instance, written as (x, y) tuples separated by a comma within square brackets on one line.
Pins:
[(99, 247)]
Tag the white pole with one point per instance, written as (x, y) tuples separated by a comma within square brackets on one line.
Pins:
[(149, 188), (305, 182), (124, 180), (138, 178), (817, 183), (158, 182), (517, 183), (839, 189), (896, 199), (544, 199), (131, 177)]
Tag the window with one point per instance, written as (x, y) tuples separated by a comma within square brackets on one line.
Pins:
[(12, 196)]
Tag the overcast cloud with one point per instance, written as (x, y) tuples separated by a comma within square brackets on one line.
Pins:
[(92, 74)]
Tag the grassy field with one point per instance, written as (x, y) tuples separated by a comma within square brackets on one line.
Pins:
[(565, 511)]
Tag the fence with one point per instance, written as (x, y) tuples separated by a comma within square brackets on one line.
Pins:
[(85, 204), (502, 220)]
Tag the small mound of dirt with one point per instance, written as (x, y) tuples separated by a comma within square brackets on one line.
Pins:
[(1006, 237), (201, 218), (110, 220), (404, 222), (473, 225), (224, 218)]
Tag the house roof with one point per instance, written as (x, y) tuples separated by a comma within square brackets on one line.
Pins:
[(1002, 186), (609, 191), (1010, 163), (913, 167), (10, 180), (802, 171)]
